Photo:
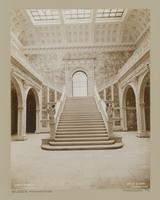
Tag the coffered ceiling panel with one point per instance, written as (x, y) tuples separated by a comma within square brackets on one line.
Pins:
[(77, 27), (49, 37)]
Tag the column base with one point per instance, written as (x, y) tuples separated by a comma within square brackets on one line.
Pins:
[(142, 135), (18, 137), (52, 138)]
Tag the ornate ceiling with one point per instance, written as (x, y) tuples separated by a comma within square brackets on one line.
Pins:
[(79, 34)]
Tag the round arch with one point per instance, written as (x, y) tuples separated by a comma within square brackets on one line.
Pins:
[(79, 83), (32, 111), (16, 107), (144, 96), (15, 83), (35, 94), (129, 109), (88, 70)]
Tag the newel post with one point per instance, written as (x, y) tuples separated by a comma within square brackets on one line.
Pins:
[(52, 124), (109, 110)]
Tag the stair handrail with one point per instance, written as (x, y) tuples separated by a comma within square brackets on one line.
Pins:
[(59, 107), (106, 110), (101, 106)]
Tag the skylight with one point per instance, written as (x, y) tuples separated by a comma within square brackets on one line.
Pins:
[(77, 14), (44, 16), (55, 16), (109, 13)]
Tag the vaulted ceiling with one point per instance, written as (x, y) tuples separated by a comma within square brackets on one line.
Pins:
[(79, 32), (48, 37)]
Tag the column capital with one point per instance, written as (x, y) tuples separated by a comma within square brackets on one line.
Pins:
[(142, 104), (20, 108)]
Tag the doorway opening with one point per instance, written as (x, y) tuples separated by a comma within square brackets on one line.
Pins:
[(80, 84), (131, 115), (14, 110), (31, 112), (147, 105)]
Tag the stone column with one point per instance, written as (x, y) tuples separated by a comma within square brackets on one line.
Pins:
[(55, 96), (124, 118), (24, 117), (90, 86), (122, 109), (47, 100), (112, 103), (37, 121), (140, 111), (104, 94), (109, 110), (52, 125), (21, 133)]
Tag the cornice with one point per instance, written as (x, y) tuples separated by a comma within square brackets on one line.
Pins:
[(92, 48), (18, 64)]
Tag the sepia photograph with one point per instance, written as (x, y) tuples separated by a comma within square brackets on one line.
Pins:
[(80, 99)]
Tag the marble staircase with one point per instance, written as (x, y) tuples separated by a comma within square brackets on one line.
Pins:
[(81, 127)]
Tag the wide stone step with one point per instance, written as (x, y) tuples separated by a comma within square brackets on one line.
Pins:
[(93, 135), (72, 103), (81, 129), (81, 139), (80, 124), (81, 118), (87, 107), (63, 126), (82, 147), (80, 121), (79, 111), (81, 143), (81, 114), (79, 106)]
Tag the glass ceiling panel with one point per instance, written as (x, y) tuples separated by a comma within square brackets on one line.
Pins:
[(44, 15), (54, 16), (77, 14), (109, 13)]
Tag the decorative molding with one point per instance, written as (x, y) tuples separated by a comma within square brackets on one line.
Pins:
[(140, 54), (89, 48)]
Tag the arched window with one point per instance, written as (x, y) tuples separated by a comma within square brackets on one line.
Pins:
[(79, 82)]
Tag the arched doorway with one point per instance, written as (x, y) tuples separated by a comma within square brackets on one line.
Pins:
[(147, 105), (80, 84), (31, 112), (131, 116), (14, 110)]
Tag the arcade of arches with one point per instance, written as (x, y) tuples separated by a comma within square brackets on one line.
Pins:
[(72, 54), (131, 107), (75, 55)]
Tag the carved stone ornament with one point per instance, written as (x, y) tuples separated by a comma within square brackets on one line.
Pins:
[(109, 108), (51, 111)]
